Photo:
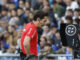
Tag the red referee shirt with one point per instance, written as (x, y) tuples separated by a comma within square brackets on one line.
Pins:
[(30, 30)]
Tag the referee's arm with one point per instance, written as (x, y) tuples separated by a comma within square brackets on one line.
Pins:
[(27, 45), (29, 35)]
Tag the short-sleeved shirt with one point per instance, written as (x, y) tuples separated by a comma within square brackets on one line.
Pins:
[(30, 30)]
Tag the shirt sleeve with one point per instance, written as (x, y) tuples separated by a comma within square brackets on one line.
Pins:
[(30, 32)]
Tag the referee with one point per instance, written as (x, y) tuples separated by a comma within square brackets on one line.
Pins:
[(28, 43)]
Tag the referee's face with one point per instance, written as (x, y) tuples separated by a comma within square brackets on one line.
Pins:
[(41, 22)]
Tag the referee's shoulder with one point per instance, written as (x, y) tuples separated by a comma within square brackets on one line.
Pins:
[(29, 25)]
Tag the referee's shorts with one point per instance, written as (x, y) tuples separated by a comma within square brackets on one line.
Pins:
[(22, 56), (25, 57)]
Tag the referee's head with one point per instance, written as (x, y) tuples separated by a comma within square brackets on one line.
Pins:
[(39, 18)]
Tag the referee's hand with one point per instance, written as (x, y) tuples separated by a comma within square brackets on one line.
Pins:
[(31, 57)]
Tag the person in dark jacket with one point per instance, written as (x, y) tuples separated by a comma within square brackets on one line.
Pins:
[(22, 19)]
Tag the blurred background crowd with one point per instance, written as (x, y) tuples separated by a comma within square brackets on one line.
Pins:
[(15, 14)]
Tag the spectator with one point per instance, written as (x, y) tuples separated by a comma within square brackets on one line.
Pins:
[(46, 9), (58, 9), (27, 5), (61, 3), (74, 4), (76, 21), (16, 2), (47, 50), (45, 3), (52, 32), (58, 43), (4, 24), (76, 14), (20, 13), (12, 39), (27, 15), (30, 18), (14, 21), (21, 4), (48, 22), (70, 4), (9, 15), (6, 37), (43, 41), (12, 6), (67, 13), (14, 13), (38, 5), (4, 14), (45, 29)]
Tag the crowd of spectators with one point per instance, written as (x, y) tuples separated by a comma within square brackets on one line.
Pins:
[(15, 14)]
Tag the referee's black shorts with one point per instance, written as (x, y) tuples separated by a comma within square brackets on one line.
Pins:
[(25, 57), (22, 56)]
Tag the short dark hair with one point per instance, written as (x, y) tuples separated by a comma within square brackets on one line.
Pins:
[(20, 9), (28, 9), (54, 26), (77, 10), (4, 9), (13, 27), (12, 3), (69, 18), (70, 10), (77, 20), (38, 14), (14, 9)]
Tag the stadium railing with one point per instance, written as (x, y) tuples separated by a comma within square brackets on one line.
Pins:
[(17, 56)]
